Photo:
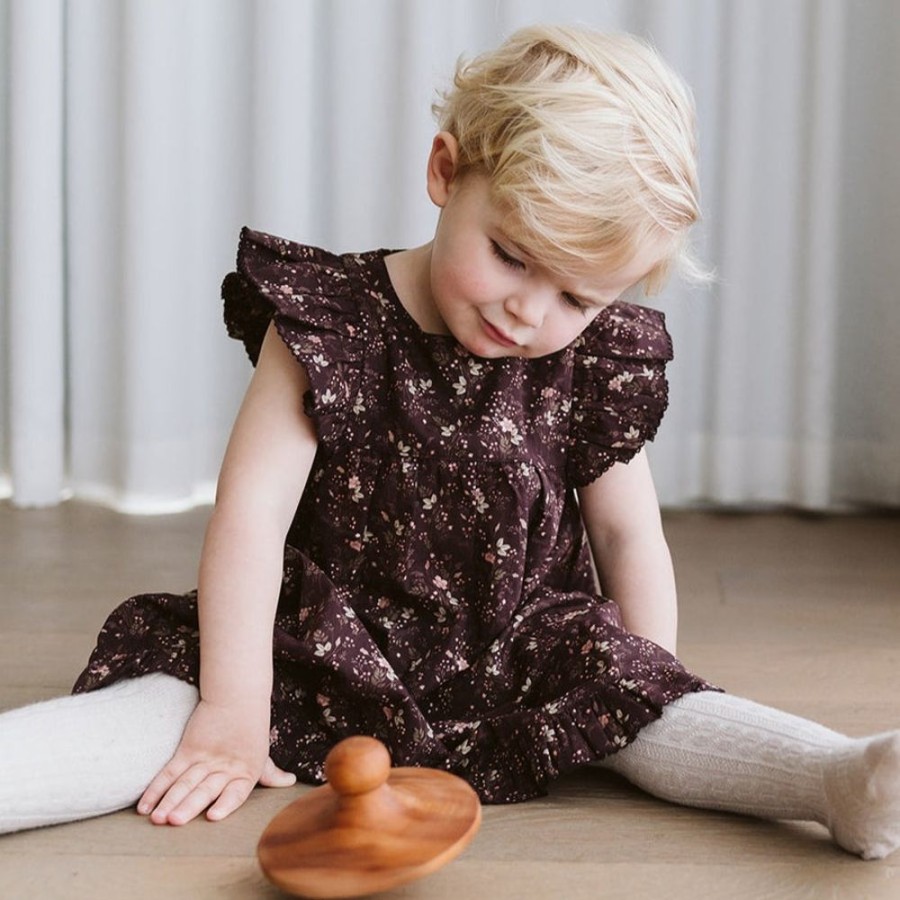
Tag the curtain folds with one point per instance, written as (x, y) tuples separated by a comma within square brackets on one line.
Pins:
[(139, 135), (34, 320)]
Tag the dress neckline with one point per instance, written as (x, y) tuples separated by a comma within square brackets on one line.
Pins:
[(401, 314)]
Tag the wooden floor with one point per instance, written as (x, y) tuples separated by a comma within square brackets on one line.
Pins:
[(802, 613)]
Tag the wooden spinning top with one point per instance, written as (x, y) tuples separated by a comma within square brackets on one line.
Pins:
[(370, 828)]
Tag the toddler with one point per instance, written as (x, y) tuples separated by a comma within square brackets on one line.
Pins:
[(434, 444)]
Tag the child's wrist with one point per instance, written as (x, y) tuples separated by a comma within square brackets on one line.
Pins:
[(242, 697)]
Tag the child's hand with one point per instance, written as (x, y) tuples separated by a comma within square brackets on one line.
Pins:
[(217, 764)]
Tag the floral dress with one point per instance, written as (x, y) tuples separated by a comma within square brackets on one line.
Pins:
[(437, 590)]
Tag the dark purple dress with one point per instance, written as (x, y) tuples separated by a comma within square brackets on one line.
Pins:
[(437, 589)]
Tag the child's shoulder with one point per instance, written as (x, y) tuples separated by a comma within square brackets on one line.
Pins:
[(620, 391), (300, 279), (259, 248), (629, 331), (312, 293)]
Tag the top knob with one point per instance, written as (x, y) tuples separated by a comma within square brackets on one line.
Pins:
[(357, 765)]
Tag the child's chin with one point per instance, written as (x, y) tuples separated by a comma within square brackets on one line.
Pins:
[(493, 352)]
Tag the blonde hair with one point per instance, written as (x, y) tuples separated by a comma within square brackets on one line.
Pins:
[(588, 140)]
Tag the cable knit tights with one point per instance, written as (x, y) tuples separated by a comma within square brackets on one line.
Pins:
[(88, 754), (718, 751)]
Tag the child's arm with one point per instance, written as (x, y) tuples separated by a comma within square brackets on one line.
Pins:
[(224, 751), (621, 515)]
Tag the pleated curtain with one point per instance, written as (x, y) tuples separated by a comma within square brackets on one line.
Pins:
[(139, 135)]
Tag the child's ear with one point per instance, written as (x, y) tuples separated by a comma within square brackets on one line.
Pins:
[(442, 165)]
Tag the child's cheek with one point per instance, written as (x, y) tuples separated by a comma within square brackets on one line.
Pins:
[(470, 285)]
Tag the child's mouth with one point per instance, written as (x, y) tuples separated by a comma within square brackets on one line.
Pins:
[(498, 336)]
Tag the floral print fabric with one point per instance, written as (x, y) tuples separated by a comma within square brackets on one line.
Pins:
[(437, 589)]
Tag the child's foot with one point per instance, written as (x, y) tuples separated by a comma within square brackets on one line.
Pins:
[(863, 794)]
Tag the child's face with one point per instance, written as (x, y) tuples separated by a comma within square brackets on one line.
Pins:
[(497, 301)]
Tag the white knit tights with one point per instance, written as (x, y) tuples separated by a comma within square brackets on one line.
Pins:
[(88, 754), (722, 752)]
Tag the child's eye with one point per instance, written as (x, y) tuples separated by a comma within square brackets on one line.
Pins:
[(505, 258), (574, 303)]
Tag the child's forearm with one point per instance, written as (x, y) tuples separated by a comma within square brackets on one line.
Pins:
[(239, 583), (638, 575)]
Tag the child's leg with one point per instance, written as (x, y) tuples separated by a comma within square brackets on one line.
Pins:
[(88, 754), (722, 752)]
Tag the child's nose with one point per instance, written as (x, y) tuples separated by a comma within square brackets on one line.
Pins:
[(529, 308)]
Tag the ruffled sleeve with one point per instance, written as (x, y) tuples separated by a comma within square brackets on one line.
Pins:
[(620, 390), (306, 292)]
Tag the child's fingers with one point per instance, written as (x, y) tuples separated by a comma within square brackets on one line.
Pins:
[(272, 776), (200, 797), (183, 787), (177, 795), (159, 787), (230, 799)]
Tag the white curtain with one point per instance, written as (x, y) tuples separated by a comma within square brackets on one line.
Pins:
[(138, 135)]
